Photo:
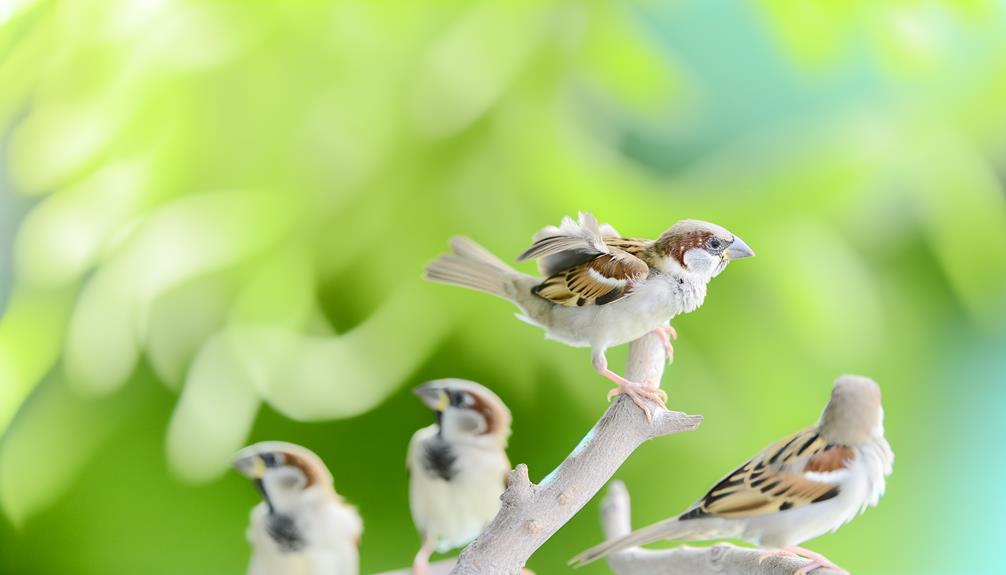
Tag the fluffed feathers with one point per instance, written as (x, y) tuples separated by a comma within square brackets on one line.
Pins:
[(585, 262), (573, 242)]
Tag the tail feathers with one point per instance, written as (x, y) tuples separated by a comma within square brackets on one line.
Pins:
[(472, 266), (668, 529), (469, 248)]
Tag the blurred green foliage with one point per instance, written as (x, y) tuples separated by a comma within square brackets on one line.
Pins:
[(213, 217)]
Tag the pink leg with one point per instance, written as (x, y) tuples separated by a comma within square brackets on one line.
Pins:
[(637, 392), (816, 560), (668, 334), (421, 564)]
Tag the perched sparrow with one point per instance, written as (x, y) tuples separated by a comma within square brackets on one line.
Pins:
[(457, 466), (302, 527), (802, 486), (601, 289)]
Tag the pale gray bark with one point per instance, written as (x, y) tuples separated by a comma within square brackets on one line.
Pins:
[(531, 513), (716, 560), (439, 568)]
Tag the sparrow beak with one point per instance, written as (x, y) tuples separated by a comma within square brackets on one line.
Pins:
[(250, 466), (737, 250), (433, 396), (254, 468)]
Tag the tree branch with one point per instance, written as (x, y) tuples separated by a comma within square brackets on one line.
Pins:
[(531, 513), (716, 560)]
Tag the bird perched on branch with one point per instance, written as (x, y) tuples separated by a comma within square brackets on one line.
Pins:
[(600, 289), (301, 527), (457, 466), (798, 488)]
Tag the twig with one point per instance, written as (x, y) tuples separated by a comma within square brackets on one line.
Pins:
[(531, 513), (715, 560)]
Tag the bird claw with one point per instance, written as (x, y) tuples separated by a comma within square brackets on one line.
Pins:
[(639, 392), (667, 328), (816, 561), (667, 335), (815, 564)]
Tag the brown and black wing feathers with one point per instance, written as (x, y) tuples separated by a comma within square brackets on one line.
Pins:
[(776, 480), (598, 278), (603, 279)]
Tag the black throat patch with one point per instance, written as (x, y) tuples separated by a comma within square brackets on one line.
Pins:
[(284, 532), (439, 459)]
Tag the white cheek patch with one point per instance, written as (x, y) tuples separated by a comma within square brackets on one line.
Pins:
[(604, 280), (701, 262), (463, 421)]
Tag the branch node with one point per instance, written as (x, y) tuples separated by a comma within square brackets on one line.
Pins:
[(566, 496), (667, 422), (533, 526), (519, 486), (718, 551)]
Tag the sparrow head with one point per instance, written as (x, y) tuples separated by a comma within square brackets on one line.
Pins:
[(700, 248), (853, 415), (466, 409), (282, 472)]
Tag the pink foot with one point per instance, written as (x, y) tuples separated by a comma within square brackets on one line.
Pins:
[(816, 560), (421, 564), (668, 334), (637, 392)]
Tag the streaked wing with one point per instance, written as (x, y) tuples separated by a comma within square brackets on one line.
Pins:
[(633, 246), (571, 243), (553, 245), (602, 279), (798, 470)]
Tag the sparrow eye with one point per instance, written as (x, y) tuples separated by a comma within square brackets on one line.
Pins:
[(714, 243)]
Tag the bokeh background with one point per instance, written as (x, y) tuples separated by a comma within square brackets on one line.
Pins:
[(214, 216)]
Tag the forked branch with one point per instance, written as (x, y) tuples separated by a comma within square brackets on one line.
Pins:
[(531, 513)]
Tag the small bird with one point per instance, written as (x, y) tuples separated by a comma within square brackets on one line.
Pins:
[(600, 289), (458, 466), (302, 527), (798, 488)]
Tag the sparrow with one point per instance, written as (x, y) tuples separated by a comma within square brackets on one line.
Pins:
[(599, 288), (302, 526), (800, 487), (458, 466)]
